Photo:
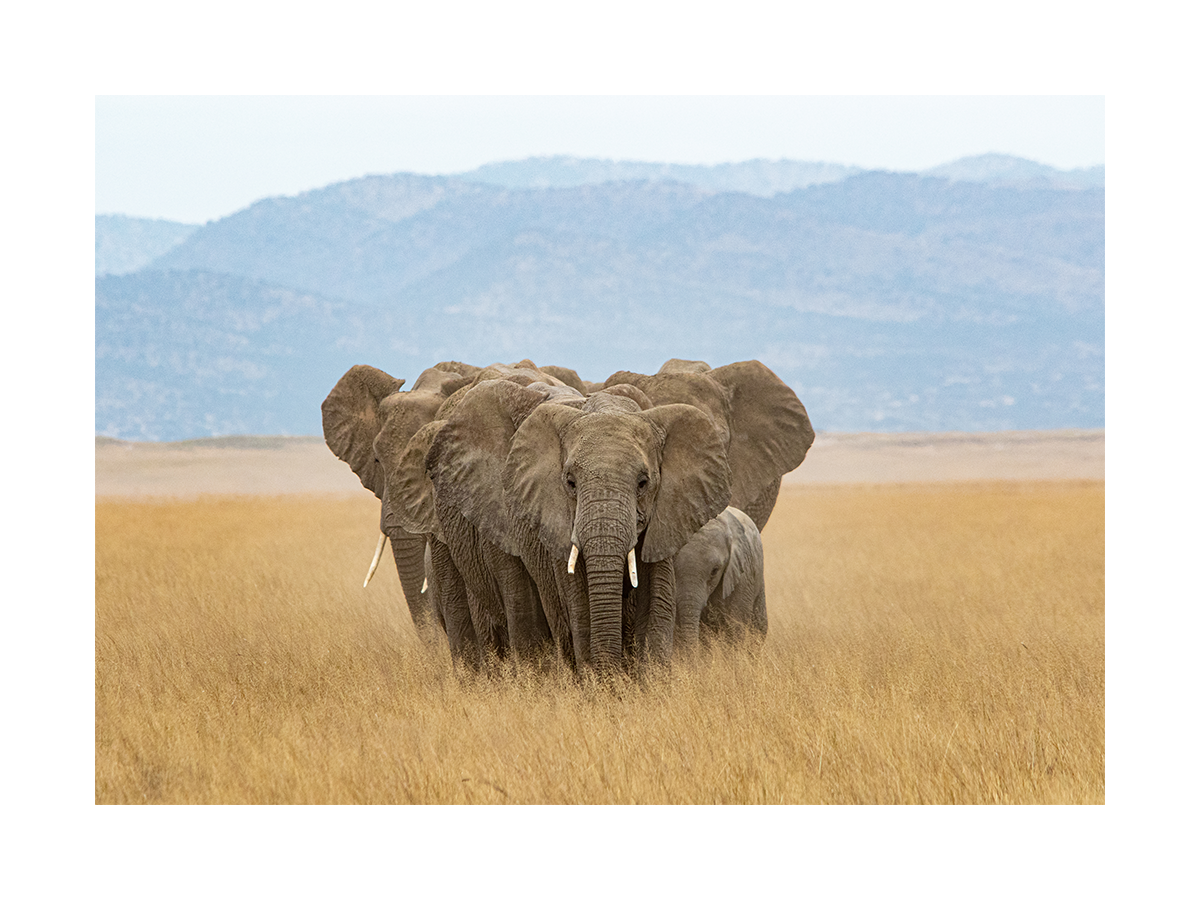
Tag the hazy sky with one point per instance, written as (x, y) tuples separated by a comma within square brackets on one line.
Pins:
[(193, 159)]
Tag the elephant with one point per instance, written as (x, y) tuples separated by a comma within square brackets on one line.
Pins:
[(595, 496), (695, 366), (764, 425), (719, 586), (568, 377), (488, 602), (362, 402)]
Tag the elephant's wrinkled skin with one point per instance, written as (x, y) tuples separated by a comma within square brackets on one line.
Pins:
[(539, 475), (764, 425), (488, 602), (354, 414)]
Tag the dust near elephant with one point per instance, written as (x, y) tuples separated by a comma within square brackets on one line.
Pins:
[(719, 586)]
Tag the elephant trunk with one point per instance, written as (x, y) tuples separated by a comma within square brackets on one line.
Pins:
[(409, 552), (605, 562), (606, 525)]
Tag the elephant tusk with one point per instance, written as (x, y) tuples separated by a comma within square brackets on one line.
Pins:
[(633, 567), (571, 561), (424, 585), (375, 561)]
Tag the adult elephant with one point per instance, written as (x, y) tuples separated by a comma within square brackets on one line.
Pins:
[(763, 424), (719, 584), (488, 602), (595, 497), (364, 400)]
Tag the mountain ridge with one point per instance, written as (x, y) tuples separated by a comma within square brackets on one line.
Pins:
[(889, 301)]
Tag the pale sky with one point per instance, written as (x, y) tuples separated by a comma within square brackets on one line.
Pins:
[(198, 158)]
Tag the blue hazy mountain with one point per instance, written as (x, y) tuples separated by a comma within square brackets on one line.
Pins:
[(761, 177), (888, 301), (999, 169), (126, 243)]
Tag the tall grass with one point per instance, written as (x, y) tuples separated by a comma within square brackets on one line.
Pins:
[(931, 644)]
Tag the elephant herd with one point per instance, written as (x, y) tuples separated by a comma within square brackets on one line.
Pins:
[(532, 514)]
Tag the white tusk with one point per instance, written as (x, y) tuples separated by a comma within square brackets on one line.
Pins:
[(375, 561), (571, 561), (633, 567), (424, 585)]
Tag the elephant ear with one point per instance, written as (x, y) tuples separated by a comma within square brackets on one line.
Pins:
[(442, 382), (634, 393), (409, 487), (743, 541), (695, 389), (626, 377), (402, 415), (694, 483), (533, 477), (770, 431), (459, 368), (695, 366), (569, 377), (351, 420), (467, 459)]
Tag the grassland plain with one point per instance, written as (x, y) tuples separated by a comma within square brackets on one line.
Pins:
[(929, 643)]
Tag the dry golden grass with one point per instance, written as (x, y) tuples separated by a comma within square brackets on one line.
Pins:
[(928, 644)]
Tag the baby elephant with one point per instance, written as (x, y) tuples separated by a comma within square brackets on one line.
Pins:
[(719, 581)]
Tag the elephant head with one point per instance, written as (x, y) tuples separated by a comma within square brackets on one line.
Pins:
[(607, 485), (354, 416), (765, 427)]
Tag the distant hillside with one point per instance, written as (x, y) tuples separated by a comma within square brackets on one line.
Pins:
[(764, 178), (876, 245), (998, 169), (890, 302), (126, 244), (761, 177), (192, 354)]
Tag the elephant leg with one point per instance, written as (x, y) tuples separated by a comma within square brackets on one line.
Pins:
[(691, 595), (660, 627), (528, 631), (553, 601), (453, 607), (635, 616), (484, 599), (573, 590), (408, 550), (758, 607), (652, 611)]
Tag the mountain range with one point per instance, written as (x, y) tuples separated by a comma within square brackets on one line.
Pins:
[(966, 298)]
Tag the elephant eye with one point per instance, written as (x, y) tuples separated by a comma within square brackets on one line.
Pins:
[(643, 482), (570, 484)]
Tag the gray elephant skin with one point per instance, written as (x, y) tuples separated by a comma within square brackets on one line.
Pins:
[(765, 427), (540, 475), (559, 517), (489, 604), (364, 400), (719, 586)]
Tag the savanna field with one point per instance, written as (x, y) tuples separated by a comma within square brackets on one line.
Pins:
[(928, 643)]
